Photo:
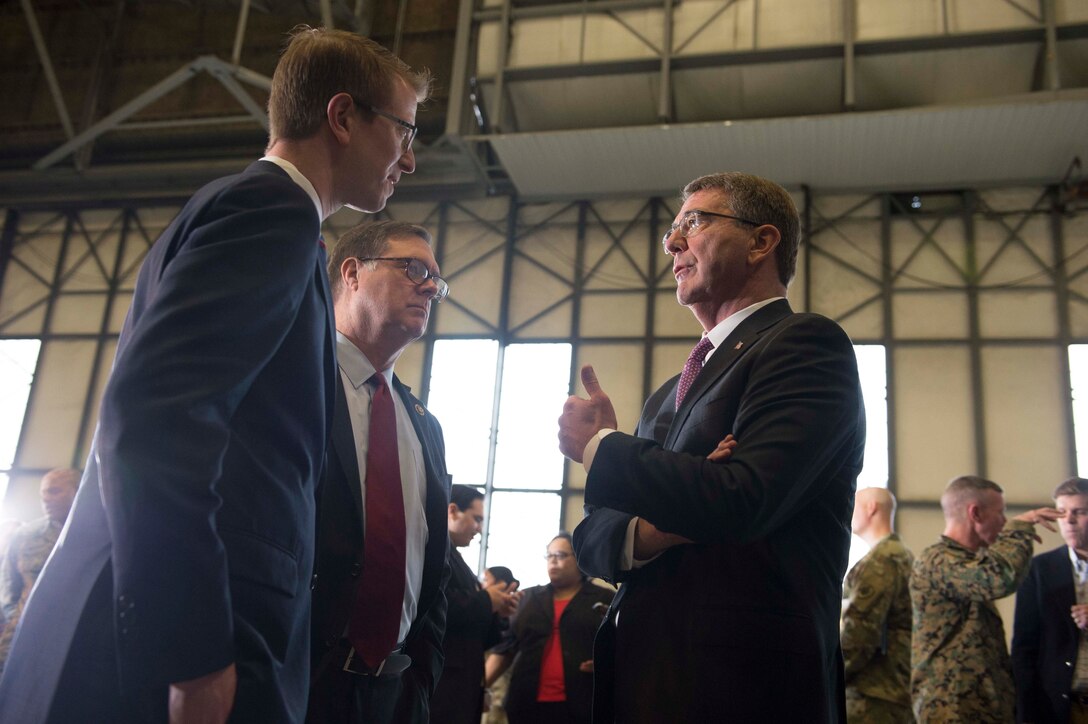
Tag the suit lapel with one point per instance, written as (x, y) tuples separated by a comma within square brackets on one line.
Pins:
[(343, 444), (1064, 589), (332, 373), (437, 494), (725, 356)]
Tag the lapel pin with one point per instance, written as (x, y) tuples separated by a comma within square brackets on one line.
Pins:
[(420, 410), (739, 345)]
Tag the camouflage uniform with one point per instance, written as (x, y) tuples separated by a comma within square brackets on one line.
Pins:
[(960, 670), (875, 633), (23, 561)]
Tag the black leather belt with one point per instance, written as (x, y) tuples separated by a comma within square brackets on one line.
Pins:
[(393, 664)]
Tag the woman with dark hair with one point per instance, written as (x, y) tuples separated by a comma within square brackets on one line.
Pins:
[(550, 644), (499, 574)]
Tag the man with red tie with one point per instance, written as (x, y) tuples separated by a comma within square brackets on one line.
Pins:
[(379, 608)]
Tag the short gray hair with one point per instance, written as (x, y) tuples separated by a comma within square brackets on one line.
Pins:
[(760, 200)]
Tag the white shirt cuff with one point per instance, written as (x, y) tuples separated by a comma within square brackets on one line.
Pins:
[(627, 553), (591, 447)]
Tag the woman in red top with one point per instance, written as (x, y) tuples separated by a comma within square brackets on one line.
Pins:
[(550, 642)]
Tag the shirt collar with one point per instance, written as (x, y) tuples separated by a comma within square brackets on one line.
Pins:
[(299, 179), (728, 325), (355, 364), (1080, 566)]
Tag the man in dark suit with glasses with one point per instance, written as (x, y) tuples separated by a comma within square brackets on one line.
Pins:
[(181, 585), (379, 600), (732, 570)]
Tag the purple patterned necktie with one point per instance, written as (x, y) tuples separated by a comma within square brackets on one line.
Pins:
[(692, 368)]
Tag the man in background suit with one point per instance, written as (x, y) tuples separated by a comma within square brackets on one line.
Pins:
[(181, 581), (475, 620), (379, 606), (732, 570), (1049, 643)]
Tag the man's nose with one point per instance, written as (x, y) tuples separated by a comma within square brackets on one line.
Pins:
[(407, 161)]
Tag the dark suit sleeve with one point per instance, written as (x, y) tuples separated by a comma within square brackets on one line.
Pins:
[(1025, 646), (222, 307), (799, 413), (469, 612), (598, 542)]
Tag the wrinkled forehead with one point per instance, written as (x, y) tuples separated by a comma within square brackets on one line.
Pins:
[(706, 199), (412, 246)]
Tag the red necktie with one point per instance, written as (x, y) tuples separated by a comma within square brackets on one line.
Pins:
[(692, 368), (379, 595)]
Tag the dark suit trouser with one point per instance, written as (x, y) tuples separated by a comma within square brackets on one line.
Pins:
[(543, 712), (340, 697)]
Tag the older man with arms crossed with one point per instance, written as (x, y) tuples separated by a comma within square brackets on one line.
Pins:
[(732, 570), (379, 605), (181, 586)]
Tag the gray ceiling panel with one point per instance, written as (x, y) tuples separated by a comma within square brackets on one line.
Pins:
[(1035, 142)]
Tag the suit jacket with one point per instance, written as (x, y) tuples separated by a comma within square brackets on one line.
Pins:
[(530, 631), (340, 554), (190, 542), (709, 631), (471, 629), (1045, 639)]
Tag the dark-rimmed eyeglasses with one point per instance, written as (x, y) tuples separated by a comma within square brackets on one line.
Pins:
[(557, 557), (407, 130), (694, 220), (417, 273)]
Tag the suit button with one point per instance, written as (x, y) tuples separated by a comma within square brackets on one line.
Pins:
[(1065, 696), (313, 582), (122, 601), (122, 615), (355, 568), (1069, 664)]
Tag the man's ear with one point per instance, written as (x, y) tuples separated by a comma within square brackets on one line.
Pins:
[(871, 509), (349, 273), (973, 512), (452, 510), (339, 115), (765, 239)]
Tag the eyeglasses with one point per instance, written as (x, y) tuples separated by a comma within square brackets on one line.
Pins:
[(694, 220), (557, 557), (407, 130), (417, 272)]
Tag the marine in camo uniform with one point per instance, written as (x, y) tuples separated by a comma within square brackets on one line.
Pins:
[(960, 670), (29, 548), (875, 627)]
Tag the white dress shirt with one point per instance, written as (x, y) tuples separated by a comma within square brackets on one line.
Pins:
[(716, 335), (355, 370), (299, 179)]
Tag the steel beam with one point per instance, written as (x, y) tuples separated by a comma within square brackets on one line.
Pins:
[(240, 32), (559, 9), (221, 71), (47, 67), (459, 71)]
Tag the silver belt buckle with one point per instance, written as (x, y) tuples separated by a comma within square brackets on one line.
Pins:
[(351, 657)]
